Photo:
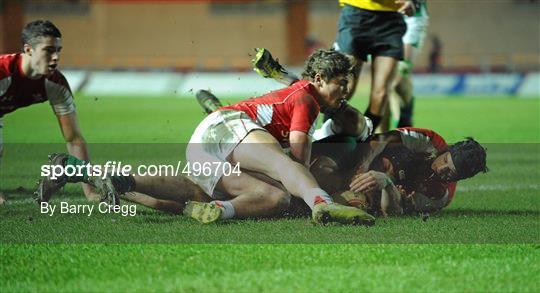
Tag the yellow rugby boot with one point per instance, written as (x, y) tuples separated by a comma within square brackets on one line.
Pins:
[(203, 212), (324, 213)]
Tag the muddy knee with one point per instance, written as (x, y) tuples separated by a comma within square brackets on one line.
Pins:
[(279, 199)]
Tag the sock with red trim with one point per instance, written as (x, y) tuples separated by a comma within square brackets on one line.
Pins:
[(316, 196), (227, 209)]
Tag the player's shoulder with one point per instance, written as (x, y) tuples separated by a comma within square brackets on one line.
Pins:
[(8, 64), (58, 78), (424, 134), (416, 131), (302, 92)]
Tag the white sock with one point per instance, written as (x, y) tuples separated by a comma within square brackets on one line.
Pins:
[(227, 209), (316, 195)]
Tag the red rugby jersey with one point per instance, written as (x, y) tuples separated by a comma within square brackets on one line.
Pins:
[(284, 110), (17, 91), (425, 140)]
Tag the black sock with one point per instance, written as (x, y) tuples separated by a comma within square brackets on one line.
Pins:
[(406, 114), (123, 184), (376, 119)]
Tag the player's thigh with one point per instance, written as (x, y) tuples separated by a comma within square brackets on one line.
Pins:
[(255, 185), (382, 72), (354, 76), (409, 52), (259, 151)]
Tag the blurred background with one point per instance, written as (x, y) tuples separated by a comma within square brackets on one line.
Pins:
[(155, 47)]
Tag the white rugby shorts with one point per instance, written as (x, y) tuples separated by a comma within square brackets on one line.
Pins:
[(213, 141), (416, 30)]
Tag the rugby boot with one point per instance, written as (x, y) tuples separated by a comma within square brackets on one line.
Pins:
[(268, 67), (107, 190), (203, 212), (324, 213), (208, 101), (47, 186)]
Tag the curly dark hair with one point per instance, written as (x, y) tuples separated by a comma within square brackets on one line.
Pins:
[(38, 28), (327, 63), (469, 158), (410, 167)]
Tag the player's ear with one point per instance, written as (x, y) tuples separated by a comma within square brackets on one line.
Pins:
[(388, 166), (318, 79), (27, 49)]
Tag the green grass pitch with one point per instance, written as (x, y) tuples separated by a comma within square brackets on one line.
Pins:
[(488, 239)]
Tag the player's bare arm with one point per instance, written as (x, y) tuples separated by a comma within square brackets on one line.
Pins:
[(408, 7), (76, 145), (351, 122), (379, 184), (300, 147), (391, 201)]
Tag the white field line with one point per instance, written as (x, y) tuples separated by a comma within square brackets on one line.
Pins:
[(498, 187)]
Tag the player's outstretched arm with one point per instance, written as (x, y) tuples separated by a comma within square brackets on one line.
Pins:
[(76, 146)]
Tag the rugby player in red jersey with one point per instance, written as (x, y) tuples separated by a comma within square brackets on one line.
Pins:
[(427, 170), (33, 77), (430, 184)]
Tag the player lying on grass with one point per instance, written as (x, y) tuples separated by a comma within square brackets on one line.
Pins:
[(413, 164), (253, 134), (340, 162), (170, 194), (429, 175), (410, 170), (33, 77)]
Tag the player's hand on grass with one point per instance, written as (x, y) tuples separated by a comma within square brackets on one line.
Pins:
[(368, 182), (91, 193), (406, 8), (404, 193)]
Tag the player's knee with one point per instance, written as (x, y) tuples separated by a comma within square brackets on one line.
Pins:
[(281, 163), (280, 199), (379, 93), (294, 166)]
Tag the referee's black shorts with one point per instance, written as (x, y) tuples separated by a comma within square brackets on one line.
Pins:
[(364, 32)]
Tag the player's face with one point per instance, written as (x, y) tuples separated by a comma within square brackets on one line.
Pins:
[(333, 92), (45, 55), (444, 167)]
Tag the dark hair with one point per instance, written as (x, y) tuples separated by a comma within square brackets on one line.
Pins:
[(409, 167), (328, 63), (36, 29), (469, 158)]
